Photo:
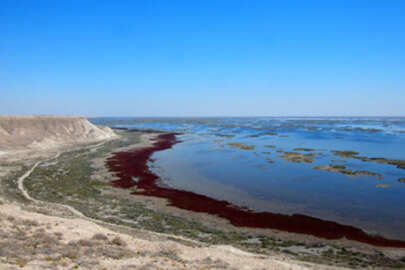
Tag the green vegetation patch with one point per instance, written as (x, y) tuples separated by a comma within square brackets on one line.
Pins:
[(297, 157), (304, 149), (348, 172), (355, 155), (345, 154), (9, 186), (241, 146), (398, 163)]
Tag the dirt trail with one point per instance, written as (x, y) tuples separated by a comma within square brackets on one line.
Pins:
[(79, 214), (28, 173), (21, 179)]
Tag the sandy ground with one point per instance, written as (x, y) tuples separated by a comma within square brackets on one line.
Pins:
[(71, 243)]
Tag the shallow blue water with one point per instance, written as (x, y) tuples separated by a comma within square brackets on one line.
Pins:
[(205, 163)]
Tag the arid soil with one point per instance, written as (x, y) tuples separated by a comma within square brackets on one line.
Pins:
[(32, 240)]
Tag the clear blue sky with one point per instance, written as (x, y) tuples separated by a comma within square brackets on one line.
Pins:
[(212, 58)]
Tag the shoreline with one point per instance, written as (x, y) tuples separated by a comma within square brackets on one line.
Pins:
[(133, 164), (82, 180), (63, 199)]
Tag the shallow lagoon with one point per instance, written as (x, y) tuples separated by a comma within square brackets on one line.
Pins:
[(262, 180)]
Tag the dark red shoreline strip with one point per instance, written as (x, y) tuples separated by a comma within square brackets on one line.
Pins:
[(133, 164)]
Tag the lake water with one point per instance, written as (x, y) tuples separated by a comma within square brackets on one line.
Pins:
[(207, 162)]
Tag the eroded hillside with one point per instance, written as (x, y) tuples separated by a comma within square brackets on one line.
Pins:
[(22, 133)]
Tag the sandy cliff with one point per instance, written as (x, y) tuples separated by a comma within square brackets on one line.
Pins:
[(45, 132)]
